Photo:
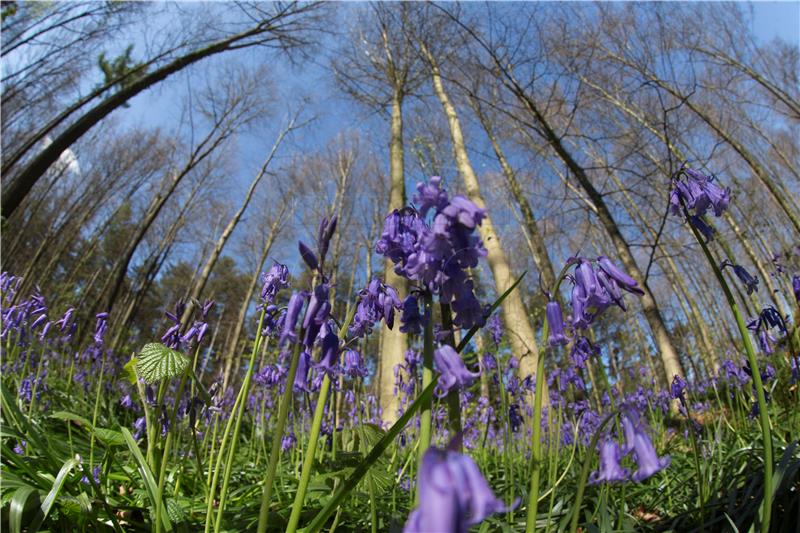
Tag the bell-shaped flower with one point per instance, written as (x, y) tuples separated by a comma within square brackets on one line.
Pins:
[(638, 441), (453, 495), (610, 471), (555, 322), (454, 373)]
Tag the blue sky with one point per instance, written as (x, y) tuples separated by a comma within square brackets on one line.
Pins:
[(777, 19)]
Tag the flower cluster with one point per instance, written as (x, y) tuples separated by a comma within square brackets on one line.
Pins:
[(597, 285), (377, 301), (637, 442), (769, 318), (697, 193), (436, 250)]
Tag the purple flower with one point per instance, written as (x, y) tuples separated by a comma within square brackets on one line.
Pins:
[(768, 318), (430, 196), (353, 364), (411, 320), (637, 440), (301, 375), (700, 225), (454, 373), (308, 256), (273, 281), (436, 250), (796, 288), (296, 302), (677, 390), (324, 234), (377, 301), (621, 278), (610, 471), (127, 402), (288, 441), (19, 448), (595, 290), (453, 494), (495, 328), (330, 350), (317, 313), (581, 351), (750, 282), (555, 321), (697, 193)]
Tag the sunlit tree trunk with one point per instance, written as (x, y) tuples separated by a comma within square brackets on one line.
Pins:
[(538, 247), (515, 317), (393, 343)]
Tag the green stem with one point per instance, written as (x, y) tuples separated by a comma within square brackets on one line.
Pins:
[(427, 378), (587, 461), (756, 374), (277, 435), (308, 460), (536, 451), (242, 400)]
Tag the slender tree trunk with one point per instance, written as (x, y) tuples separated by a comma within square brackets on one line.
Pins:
[(16, 190), (669, 356), (393, 343), (540, 256), (200, 284), (515, 317)]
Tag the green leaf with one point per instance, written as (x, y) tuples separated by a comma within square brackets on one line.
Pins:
[(18, 504), (130, 370), (72, 417), (157, 362), (146, 475), (48, 502), (109, 437)]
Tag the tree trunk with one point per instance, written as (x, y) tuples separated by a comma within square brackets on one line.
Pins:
[(15, 191), (393, 343), (540, 256), (515, 317), (672, 364)]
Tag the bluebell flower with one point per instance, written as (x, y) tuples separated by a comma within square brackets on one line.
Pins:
[(750, 282), (454, 373), (453, 495), (555, 321), (638, 441), (697, 193), (273, 281), (610, 470)]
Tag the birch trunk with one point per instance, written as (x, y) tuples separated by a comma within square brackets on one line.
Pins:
[(393, 343), (515, 317)]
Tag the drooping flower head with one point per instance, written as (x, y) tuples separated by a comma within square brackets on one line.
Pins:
[(555, 321), (769, 318), (610, 470), (454, 373), (597, 286), (435, 244), (698, 193), (377, 301), (796, 288), (750, 282), (638, 441), (273, 281), (453, 494)]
